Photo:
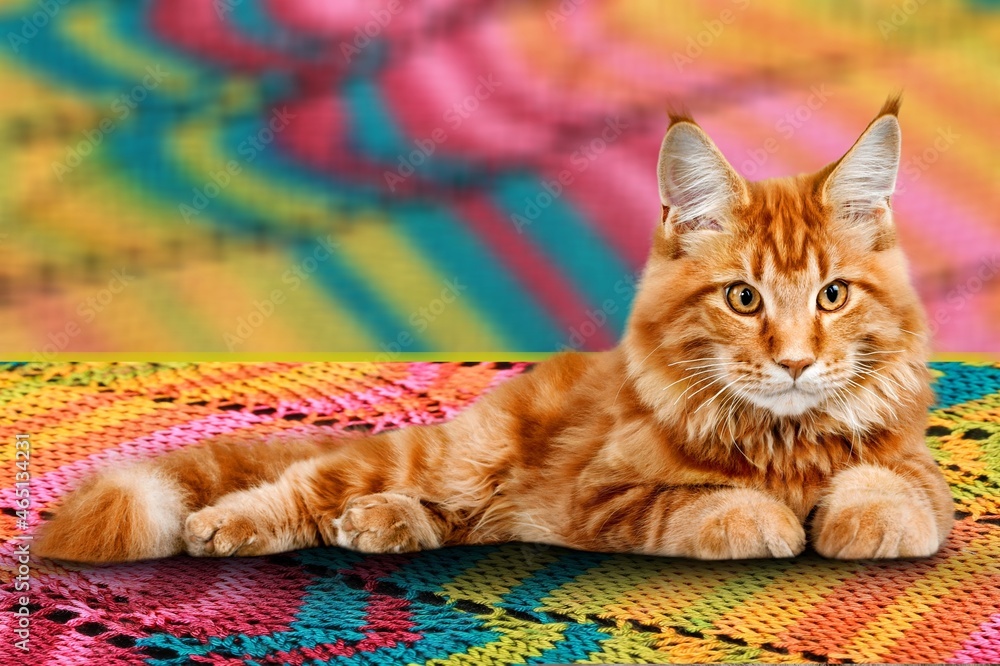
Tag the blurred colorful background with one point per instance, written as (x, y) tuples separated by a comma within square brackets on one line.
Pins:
[(399, 176)]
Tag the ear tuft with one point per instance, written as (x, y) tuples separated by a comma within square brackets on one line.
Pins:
[(891, 106), (679, 115), (696, 182)]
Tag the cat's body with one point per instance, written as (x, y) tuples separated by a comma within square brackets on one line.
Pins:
[(772, 369)]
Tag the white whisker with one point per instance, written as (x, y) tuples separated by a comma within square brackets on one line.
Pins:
[(631, 373), (836, 395), (712, 365), (690, 376), (695, 360), (895, 351), (875, 395), (710, 380), (738, 393), (715, 396)]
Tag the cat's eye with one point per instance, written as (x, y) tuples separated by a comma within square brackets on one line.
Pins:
[(832, 296), (743, 298)]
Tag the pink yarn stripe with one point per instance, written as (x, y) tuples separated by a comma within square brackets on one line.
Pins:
[(224, 599), (983, 646)]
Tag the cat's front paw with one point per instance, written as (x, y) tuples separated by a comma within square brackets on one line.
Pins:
[(737, 524), (873, 513), (386, 523), (876, 528), (219, 532)]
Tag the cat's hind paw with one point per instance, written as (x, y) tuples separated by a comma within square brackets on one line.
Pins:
[(387, 523), (219, 532)]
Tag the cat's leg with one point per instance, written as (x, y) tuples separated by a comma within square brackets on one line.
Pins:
[(709, 523), (371, 495), (872, 511), (138, 511), (272, 519)]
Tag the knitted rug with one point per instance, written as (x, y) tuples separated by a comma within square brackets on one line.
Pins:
[(478, 605)]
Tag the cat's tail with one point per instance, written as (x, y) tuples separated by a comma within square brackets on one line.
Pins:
[(138, 512), (118, 515)]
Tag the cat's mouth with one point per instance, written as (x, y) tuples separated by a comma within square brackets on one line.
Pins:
[(789, 400), (793, 388)]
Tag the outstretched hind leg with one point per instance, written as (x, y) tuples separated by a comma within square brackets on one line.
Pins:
[(257, 522), (303, 508)]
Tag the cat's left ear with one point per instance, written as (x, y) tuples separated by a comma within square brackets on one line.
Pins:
[(861, 182)]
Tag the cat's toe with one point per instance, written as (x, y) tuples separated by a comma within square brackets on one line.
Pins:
[(386, 523), (218, 532)]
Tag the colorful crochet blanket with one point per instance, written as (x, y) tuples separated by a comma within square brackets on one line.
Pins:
[(515, 603)]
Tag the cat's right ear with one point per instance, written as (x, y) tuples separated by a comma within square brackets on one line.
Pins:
[(698, 187)]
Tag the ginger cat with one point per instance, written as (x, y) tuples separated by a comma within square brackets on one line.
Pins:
[(773, 369)]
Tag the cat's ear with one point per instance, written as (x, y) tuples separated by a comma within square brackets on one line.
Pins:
[(860, 184), (698, 187)]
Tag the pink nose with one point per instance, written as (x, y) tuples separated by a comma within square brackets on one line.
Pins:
[(795, 367)]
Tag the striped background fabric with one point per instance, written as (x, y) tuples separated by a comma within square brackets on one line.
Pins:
[(445, 175), (516, 603)]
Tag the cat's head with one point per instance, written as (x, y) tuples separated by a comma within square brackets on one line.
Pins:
[(786, 296)]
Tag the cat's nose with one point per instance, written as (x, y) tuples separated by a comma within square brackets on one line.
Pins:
[(795, 367)]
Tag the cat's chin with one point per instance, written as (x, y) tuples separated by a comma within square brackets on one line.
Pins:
[(788, 403)]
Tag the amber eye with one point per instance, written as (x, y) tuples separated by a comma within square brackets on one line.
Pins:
[(743, 298), (832, 296)]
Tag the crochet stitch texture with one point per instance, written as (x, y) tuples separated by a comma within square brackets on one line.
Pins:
[(516, 603)]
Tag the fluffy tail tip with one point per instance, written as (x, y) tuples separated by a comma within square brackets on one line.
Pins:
[(117, 516)]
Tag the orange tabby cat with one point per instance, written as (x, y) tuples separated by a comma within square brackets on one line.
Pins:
[(773, 364)]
